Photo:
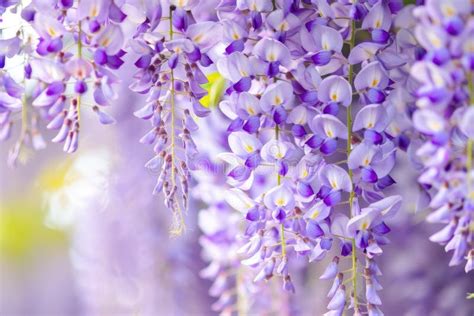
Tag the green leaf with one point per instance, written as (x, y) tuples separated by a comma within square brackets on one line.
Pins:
[(215, 89)]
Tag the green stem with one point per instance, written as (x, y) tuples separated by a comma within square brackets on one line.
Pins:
[(172, 101), (349, 113), (348, 152), (179, 215), (354, 275), (79, 55), (282, 227)]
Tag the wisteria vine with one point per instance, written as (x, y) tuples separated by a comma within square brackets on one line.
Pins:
[(314, 101)]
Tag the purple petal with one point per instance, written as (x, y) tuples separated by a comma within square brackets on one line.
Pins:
[(279, 214), (253, 214), (304, 189), (379, 17), (368, 175), (235, 46), (252, 125), (240, 173), (279, 115), (373, 116), (143, 61), (277, 94), (313, 230), (331, 270), (100, 57), (314, 141), (115, 14), (329, 146), (298, 131), (380, 36), (80, 87), (381, 229), (243, 84), (235, 125), (253, 161), (322, 58), (375, 95)]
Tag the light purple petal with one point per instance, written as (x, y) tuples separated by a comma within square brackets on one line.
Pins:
[(363, 221), (328, 126), (318, 211), (274, 150), (93, 9), (371, 76), (388, 206), (47, 26), (428, 122), (279, 197), (9, 102), (327, 38), (362, 52), (372, 116), (243, 144), (467, 123), (277, 94), (205, 34), (361, 156), (335, 89), (272, 50), (249, 103), (234, 66), (336, 177), (379, 17), (233, 31), (111, 38)]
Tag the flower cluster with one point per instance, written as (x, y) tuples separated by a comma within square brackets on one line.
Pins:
[(443, 118), (233, 285), (79, 43), (69, 52), (300, 160), (172, 58), (16, 44)]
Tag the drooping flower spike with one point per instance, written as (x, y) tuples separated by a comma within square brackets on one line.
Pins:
[(15, 104), (443, 119), (173, 58), (69, 51)]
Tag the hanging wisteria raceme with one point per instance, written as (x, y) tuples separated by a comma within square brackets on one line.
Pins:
[(233, 285), (78, 43), (444, 118), (16, 45), (173, 50)]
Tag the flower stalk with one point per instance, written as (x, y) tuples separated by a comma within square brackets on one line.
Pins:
[(348, 152)]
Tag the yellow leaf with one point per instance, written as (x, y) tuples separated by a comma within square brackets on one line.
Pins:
[(215, 88)]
